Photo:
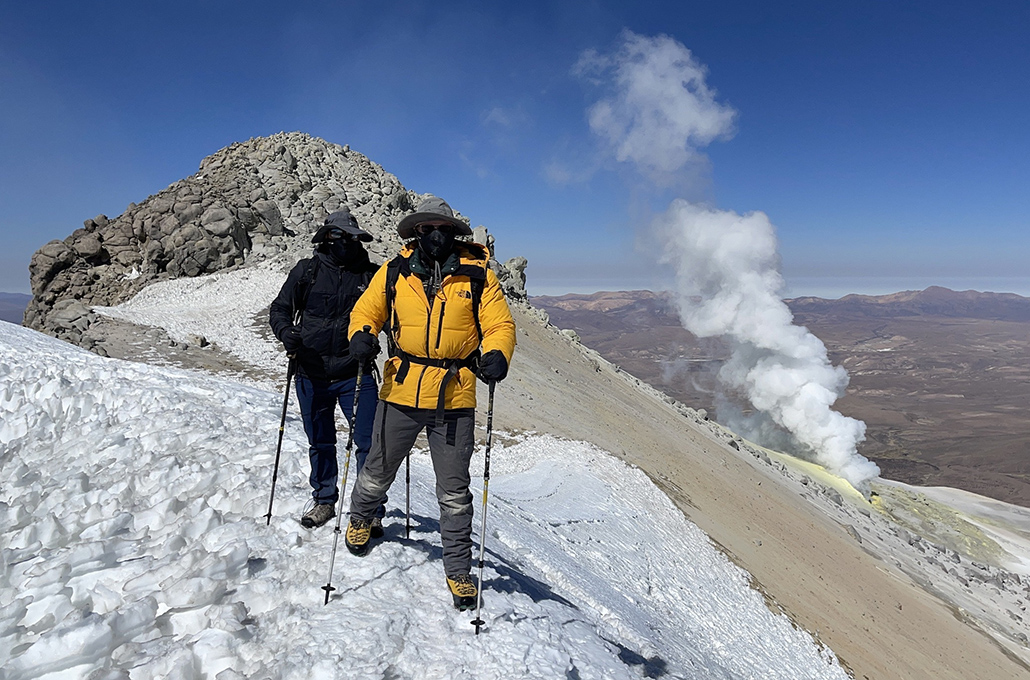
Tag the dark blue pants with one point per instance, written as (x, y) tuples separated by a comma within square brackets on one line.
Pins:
[(318, 400)]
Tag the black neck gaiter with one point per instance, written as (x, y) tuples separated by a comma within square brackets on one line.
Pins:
[(436, 244), (346, 254)]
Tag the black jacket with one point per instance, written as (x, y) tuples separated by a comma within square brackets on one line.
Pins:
[(325, 317)]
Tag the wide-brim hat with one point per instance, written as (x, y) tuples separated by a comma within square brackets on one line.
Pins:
[(431, 209), (341, 219)]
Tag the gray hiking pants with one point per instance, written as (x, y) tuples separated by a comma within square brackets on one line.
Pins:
[(450, 447)]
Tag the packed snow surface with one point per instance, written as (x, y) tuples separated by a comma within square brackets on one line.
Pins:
[(134, 545), (224, 307)]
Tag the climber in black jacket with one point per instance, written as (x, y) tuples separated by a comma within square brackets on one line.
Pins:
[(310, 317)]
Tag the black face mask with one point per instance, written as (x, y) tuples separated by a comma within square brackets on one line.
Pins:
[(436, 244), (344, 252)]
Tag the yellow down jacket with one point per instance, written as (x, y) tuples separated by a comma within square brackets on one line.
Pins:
[(441, 330)]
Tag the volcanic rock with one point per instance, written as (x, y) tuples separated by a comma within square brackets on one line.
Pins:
[(249, 202)]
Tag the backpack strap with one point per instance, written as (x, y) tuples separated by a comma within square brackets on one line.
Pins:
[(477, 281), (307, 280), (393, 273)]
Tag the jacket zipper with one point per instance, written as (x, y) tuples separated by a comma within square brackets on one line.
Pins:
[(429, 324), (439, 327)]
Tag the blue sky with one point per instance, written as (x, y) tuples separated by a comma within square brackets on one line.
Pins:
[(888, 142)]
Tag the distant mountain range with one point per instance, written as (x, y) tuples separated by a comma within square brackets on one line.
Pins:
[(934, 301), (941, 378), (12, 306)]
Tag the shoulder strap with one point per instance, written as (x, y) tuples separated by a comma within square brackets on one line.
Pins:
[(477, 281), (307, 279), (393, 273)]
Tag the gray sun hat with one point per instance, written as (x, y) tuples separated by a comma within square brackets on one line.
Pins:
[(432, 209), (341, 219)]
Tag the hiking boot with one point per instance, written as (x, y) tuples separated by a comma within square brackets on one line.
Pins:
[(464, 591), (318, 515), (359, 531), (376, 530)]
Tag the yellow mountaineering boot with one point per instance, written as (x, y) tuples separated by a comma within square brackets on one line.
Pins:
[(464, 591), (358, 533)]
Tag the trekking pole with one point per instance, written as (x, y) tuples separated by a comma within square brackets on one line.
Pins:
[(407, 496), (478, 621), (328, 587), (290, 369)]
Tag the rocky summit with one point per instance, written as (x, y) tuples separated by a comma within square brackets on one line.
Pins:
[(248, 202)]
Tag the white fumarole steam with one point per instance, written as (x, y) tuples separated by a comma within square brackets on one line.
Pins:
[(727, 284), (660, 111)]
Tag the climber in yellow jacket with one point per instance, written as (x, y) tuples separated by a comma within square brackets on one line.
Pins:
[(446, 322)]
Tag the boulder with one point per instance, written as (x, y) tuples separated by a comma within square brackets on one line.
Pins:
[(219, 221), (512, 275), (127, 258), (48, 261), (118, 235), (87, 247), (187, 212), (57, 250), (270, 215), (66, 313), (168, 225), (160, 204)]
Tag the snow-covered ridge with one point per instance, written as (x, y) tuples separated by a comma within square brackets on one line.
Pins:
[(133, 542)]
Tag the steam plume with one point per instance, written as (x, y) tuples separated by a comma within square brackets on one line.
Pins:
[(727, 284), (659, 114)]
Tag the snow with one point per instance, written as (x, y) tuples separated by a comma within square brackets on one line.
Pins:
[(134, 546), (223, 307)]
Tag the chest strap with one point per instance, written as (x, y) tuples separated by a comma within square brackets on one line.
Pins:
[(470, 362)]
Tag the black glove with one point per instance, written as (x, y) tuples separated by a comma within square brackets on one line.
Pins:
[(364, 346), (291, 340), (493, 366)]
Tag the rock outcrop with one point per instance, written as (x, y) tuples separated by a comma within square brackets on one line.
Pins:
[(250, 201)]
